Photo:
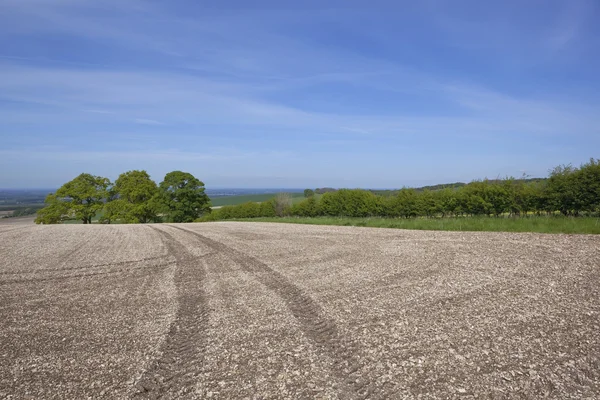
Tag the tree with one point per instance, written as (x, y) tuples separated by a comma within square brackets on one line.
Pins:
[(81, 198), (306, 208), (561, 190), (448, 201), (350, 203), (135, 192), (181, 197), (498, 198), (403, 204), (55, 211), (309, 193), (427, 203), (587, 186), (475, 198)]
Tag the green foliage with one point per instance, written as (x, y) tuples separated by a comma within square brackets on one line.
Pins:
[(574, 190), (241, 211), (449, 202), (267, 209), (80, 198), (181, 197), (587, 184), (307, 208), (404, 204), (350, 203), (55, 211), (136, 199), (569, 191), (427, 204), (561, 190)]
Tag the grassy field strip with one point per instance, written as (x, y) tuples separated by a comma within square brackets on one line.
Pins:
[(588, 225)]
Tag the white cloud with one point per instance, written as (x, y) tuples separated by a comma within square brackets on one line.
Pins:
[(178, 98), (269, 85)]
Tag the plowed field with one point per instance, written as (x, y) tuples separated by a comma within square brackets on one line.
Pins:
[(255, 310)]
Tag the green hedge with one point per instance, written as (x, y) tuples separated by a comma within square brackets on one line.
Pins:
[(568, 191)]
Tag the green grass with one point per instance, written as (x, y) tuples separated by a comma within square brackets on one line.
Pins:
[(256, 198), (589, 225)]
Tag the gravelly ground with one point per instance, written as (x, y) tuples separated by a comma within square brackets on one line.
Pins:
[(255, 310)]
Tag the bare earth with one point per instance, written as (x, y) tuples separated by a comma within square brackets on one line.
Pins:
[(254, 310)]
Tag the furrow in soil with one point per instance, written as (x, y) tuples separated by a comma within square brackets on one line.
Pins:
[(175, 373), (311, 317), (86, 267), (130, 270)]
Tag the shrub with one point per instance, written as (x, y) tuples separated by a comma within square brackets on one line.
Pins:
[(351, 203), (306, 208)]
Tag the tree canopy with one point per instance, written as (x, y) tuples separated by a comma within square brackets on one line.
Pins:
[(55, 211), (134, 194), (181, 197), (133, 198), (309, 193), (80, 198)]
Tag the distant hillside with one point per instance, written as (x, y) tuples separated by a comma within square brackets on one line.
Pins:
[(440, 186), (457, 185)]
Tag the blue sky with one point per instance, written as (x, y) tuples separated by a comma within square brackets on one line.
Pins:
[(297, 94)]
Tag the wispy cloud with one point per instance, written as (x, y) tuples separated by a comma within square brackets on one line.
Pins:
[(301, 81), (186, 99)]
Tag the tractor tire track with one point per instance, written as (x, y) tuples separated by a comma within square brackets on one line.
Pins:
[(313, 321), (175, 373)]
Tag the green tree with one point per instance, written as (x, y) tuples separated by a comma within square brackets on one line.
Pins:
[(309, 193), (498, 197), (448, 201), (350, 203), (403, 204), (267, 209), (428, 203), (586, 182), (306, 208), (55, 211), (181, 197), (561, 191), (135, 193), (475, 198), (80, 198)]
